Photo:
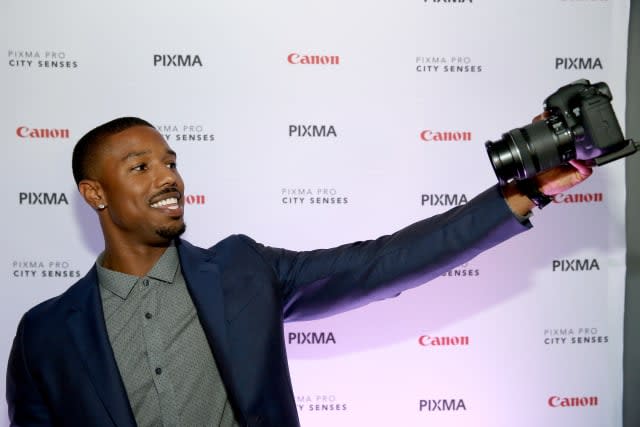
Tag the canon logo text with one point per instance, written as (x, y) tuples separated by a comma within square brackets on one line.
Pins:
[(429, 341), (195, 199), (579, 198), (27, 132), (570, 402), (429, 135), (296, 58)]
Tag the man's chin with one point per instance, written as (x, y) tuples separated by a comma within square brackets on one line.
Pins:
[(173, 232)]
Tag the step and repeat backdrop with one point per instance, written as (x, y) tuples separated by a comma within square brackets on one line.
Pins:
[(308, 124)]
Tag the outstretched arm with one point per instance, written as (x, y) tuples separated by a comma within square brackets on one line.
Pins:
[(323, 282)]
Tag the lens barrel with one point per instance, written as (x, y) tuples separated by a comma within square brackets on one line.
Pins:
[(524, 152)]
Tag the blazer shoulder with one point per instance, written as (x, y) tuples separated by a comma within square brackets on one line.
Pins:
[(232, 243), (234, 240), (244, 247)]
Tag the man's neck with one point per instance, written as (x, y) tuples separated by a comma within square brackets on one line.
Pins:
[(136, 260)]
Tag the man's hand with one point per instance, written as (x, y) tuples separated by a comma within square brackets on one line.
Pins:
[(561, 178), (551, 182)]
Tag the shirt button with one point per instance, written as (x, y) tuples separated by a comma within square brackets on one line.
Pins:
[(158, 371), (148, 315), (145, 282)]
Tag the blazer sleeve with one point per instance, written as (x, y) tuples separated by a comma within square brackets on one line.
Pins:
[(24, 400), (324, 282)]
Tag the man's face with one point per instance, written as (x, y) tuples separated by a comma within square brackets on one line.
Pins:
[(142, 187)]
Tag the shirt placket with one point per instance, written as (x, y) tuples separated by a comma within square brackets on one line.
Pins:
[(153, 329)]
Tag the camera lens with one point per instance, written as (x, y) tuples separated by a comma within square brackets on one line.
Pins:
[(524, 152)]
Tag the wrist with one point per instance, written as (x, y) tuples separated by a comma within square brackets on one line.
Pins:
[(529, 188), (519, 204)]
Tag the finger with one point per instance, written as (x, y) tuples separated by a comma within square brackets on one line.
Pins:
[(545, 114), (584, 170)]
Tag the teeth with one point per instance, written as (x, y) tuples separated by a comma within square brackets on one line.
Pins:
[(165, 202)]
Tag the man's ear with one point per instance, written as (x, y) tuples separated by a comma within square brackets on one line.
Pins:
[(92, 193)]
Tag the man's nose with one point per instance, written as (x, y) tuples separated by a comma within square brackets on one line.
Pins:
[(166, 176)]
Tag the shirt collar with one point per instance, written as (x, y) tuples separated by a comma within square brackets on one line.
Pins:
[(122, 284), (167, 266)]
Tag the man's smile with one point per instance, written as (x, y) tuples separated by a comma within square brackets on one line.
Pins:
[(169, 203)]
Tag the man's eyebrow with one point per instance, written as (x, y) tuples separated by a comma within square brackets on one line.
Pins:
[(135, 154), (142, 153)]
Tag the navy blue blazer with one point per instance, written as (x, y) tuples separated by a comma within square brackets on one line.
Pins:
[(62, 370)]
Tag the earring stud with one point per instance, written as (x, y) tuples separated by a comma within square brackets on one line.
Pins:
[(100, 207)]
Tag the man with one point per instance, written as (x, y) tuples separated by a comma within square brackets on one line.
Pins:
[(157, 332)]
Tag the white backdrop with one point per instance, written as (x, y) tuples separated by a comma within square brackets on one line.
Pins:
[(532, 322)]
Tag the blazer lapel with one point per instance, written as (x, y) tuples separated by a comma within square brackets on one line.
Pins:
[(89, 333), (203, 281)]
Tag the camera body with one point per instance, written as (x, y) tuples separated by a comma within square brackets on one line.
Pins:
[(579, 123)]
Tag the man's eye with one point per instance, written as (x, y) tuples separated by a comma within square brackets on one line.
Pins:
[(172, 165), (140, 167)]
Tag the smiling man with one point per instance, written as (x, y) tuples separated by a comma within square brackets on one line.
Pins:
[(131, 179), (160, 332)]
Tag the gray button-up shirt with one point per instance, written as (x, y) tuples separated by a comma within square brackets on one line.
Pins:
[(163, 356)]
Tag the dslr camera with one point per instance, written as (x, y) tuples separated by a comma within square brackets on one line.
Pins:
[(579, 123)]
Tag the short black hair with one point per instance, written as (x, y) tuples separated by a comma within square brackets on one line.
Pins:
[(84, 152)]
